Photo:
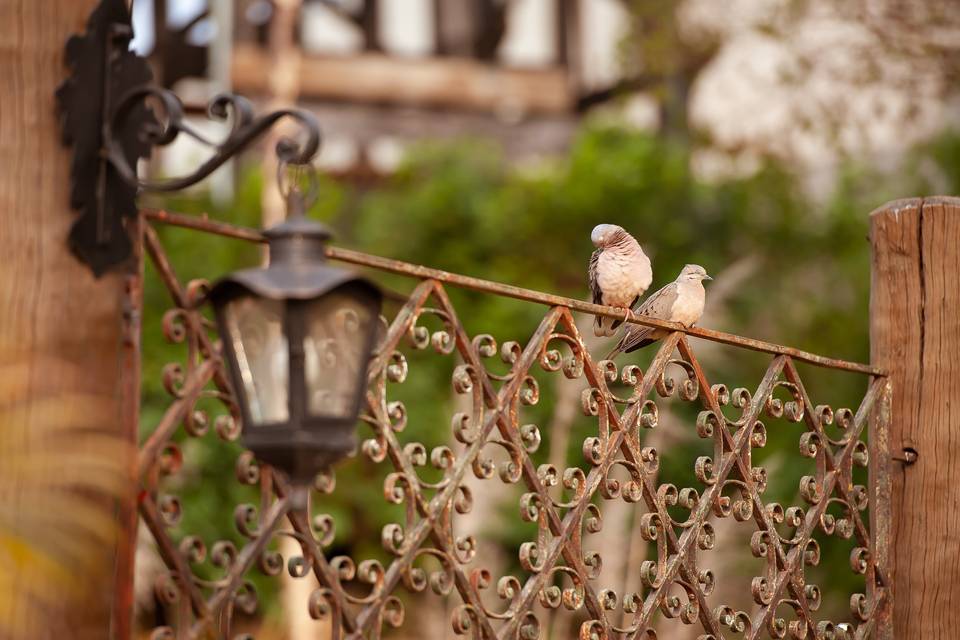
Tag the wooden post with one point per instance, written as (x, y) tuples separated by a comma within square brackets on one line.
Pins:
[(64, 451), (915, 335)]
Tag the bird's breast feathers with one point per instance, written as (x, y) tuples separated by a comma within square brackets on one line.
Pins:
[(622, 278), (688, 307)]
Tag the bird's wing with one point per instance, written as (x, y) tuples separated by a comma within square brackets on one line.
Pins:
[(660, 303), (595, 294), (656, 306)]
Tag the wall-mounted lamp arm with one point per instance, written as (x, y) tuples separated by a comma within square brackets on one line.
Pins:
[(112, 115)]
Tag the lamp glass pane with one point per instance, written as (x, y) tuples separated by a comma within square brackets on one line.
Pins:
[(255, 328), (335, 345)]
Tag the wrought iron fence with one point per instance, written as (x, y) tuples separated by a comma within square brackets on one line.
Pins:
[(558, 567)]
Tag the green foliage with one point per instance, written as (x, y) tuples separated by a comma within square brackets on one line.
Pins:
[(461, 208)]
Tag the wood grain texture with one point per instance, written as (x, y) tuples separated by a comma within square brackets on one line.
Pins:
[(61, 342), (915, 335)]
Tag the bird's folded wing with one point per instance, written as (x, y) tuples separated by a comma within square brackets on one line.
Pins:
[(595, 294), (659, 306)]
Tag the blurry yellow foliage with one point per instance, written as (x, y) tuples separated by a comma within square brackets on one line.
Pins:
[(62, 466)]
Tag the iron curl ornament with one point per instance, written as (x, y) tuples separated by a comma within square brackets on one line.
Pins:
[(245, 129), (113, 116)]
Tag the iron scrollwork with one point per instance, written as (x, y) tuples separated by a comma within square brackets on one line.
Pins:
[(113, 116), (245, 128), (688, 526)]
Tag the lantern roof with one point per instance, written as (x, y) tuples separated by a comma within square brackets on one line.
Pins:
[(280, 282), (297, 269)]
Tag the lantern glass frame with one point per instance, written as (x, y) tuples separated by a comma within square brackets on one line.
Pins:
[(303, 441)]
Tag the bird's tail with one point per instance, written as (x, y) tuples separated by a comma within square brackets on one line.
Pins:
[(617, 350), (624, 348), (603, 326), (641, 344)]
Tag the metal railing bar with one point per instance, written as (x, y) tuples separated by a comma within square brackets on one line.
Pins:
[(203, 223)]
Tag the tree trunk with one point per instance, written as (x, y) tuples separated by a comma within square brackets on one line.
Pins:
[(915, 335)]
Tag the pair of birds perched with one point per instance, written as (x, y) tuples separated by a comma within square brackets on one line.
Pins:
[(620, 273)]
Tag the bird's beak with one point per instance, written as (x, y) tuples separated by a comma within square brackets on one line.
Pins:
[(706, 277)]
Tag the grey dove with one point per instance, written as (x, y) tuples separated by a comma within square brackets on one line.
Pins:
[(619, 273), (680, 301)]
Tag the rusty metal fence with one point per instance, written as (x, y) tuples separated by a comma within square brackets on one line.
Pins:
[(558, 566)]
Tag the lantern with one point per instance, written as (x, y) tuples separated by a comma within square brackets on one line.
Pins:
[(297, 336)]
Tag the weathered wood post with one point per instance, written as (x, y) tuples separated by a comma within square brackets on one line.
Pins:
[(65, 419), (915, 335)]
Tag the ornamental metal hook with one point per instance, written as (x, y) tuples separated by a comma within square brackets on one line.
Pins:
[(245, 128), (113, 116)]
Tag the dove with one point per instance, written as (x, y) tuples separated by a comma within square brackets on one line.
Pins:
[(619, 273), (680, 301)]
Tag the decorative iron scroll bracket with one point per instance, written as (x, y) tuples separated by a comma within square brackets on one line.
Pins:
[(113, 116)]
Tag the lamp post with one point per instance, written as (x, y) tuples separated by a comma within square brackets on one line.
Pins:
[(297, 336)]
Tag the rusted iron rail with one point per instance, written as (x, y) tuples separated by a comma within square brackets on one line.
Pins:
[(559, 566), (204, 223)]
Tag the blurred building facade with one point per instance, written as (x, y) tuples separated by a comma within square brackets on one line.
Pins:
[(382, 73), (810, 86)]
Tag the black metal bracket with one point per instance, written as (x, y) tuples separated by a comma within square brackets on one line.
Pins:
[(112, 115), (101, 65)]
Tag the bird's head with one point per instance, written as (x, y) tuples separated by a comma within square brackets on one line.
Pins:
[(693, 273), (604, 235)]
